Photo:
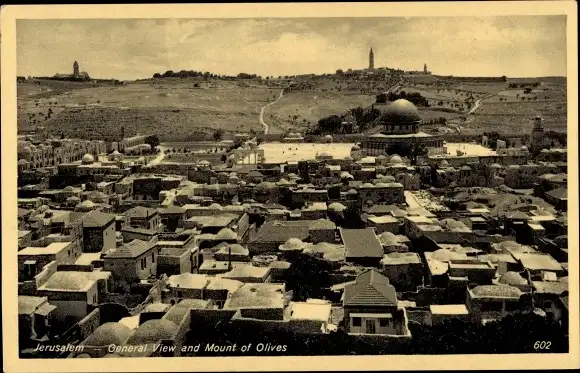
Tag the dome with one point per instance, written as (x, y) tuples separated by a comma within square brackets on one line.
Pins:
[(443, 163), (328, 137), (22, 162), (87, 158), (512, 278), (215, 206), (524, 148), (292, 244), (381, 157), (395, 159), (494, 165), (43, 208), (203, 163), (152, 331), (87, 204), (401, 111), (367, 185), (69, 188), (325, 154), (108, 334), (115, 152), (283, 181), (226, 234), (291, 134), (336, 206), (387, 239), (352, 192), (355, 147), (466, 168), (266, 185), (27, 149)]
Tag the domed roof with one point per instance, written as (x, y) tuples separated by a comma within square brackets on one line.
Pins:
[(367, 185), (465, 168), (283, 181), (381, 157), (336, 206), (235, 248), (355, 147), (266, 185), (395, 159), (328, 137), (226, 234), (215, 206), (27, 149), (22, 162), (352, 192), (524, 148), (87, 204), (494, 165), (43, 208), (387, 179), (152, 331), (110, 333), (203, 163), (69, 188), (496, 291), (325, 154), (87, 158), (387, 238), (401, 111), (443, 163), (292, 244), (512, 278), (115, 152)]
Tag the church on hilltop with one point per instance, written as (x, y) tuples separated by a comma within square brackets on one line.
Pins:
[(76, 75)]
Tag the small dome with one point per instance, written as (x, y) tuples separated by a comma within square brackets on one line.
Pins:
[(395, 159), (381, 157), (266, 185), (325, 154), (110, 333), (494, 165), (367, 185), (388, 239), (22, 162), (87, 158), (27, 150), (355, 147), (87, 204), (43, 208), (524, 148), (336, 206), (512, 278), (153, 331), (115, 152), (443, 163), (69, 188), (226, 234), (328, 137), (466, 168), (401, 111), (215, 206), (292, 244), (352, 192), (283, 181), (203, 163)]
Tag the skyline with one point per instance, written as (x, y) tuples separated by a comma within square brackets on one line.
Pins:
[(129, 49)]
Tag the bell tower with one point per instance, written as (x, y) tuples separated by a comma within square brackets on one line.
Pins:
[(76, 69), (371, 59)]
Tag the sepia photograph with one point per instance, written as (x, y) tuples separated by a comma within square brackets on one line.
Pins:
[(282, 181)]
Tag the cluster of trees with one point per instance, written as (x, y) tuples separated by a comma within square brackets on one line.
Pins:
[(411, 150), (200, 74), (336, 124), (492, 138), (523, 85), (414, 97), (561, 137)]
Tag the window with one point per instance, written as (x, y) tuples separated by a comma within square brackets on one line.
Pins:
[(383, 322), (152, 257), (356, 321)]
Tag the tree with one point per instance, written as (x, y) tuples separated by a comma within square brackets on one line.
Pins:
[(218, 134), (153, 141)]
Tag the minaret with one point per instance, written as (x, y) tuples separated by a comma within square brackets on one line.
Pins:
[(371, 59), (76, 69), (425, 69), (537, 133)]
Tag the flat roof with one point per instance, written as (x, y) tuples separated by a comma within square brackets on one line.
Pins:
[(448, 309), (51, 249), (372, 315)]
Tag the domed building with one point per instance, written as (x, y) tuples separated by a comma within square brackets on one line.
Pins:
[(401, 121)]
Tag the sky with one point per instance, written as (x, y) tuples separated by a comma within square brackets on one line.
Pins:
[(127, 49)]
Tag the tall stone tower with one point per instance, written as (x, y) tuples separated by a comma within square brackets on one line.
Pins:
[(76, 69), (537, 133), (371, 60), (425, 69)]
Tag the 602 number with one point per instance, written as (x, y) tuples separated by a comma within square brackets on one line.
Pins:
[(542, 345)]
